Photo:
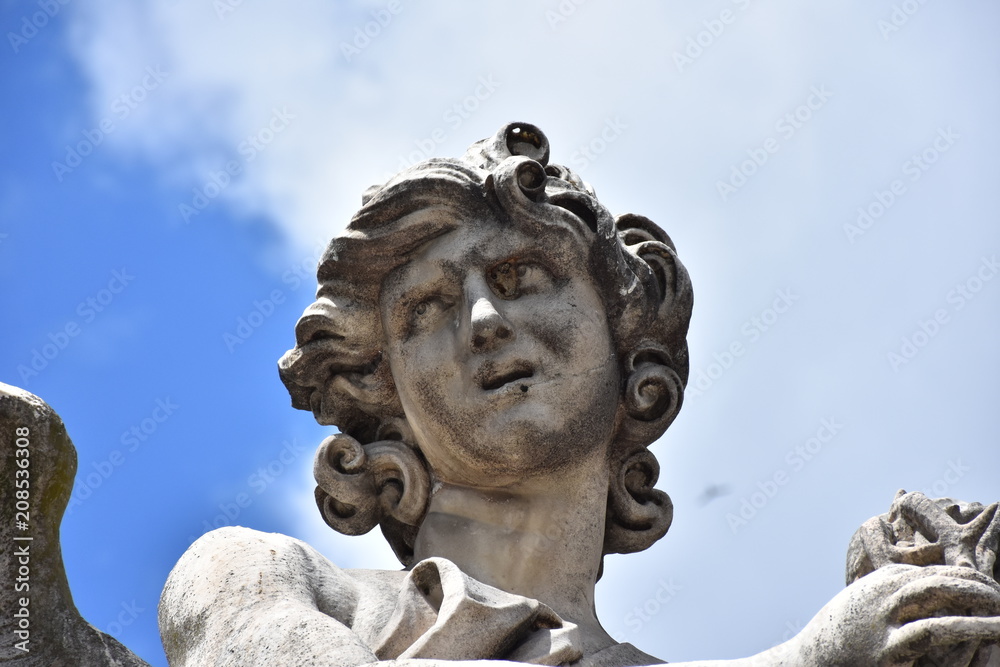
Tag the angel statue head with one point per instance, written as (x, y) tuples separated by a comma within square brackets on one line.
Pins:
[(485, 323)]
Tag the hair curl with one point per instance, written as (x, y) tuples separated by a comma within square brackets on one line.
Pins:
[(372, 472)]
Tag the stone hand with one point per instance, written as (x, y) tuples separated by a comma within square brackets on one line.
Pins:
[(902, 615)]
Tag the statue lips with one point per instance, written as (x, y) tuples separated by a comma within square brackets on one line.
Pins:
[(493, 377)]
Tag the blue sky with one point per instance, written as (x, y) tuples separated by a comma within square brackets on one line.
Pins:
[(170, 171)]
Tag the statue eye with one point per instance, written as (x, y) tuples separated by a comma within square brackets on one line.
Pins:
[(513, 279), (503, 280), (429, 309)]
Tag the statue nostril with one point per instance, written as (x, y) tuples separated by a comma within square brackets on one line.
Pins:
[(488, 327)]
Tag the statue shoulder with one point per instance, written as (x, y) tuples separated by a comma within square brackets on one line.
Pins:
[(235, 585), (252, 561)]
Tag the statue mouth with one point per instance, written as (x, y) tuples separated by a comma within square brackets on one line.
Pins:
[(492, 378)]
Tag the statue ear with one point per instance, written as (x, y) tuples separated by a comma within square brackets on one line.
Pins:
[(652, 245), (653, 395)]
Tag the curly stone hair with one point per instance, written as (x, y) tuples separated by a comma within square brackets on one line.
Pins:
[(373, 473)]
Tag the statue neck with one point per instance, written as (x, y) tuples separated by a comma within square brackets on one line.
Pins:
[(540, 538)]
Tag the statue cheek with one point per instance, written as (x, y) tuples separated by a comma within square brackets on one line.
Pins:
[(433, 381), (577, 340)]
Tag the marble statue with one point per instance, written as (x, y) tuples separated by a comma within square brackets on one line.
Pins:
[(498, 352)]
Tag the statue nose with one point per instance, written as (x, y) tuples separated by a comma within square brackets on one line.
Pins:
[(489, 328)]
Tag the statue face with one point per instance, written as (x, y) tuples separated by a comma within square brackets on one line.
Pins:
[(500, 350)]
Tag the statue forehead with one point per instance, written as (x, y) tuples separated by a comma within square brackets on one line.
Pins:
[(475, 234)]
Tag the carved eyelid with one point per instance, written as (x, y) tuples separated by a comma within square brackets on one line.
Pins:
[(424, 291), (436, 299), (411, 317), (505, 277)]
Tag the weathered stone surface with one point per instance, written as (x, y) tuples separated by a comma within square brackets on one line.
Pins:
[(241, 597), (922, 531), (36, 608), (498, 352)]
